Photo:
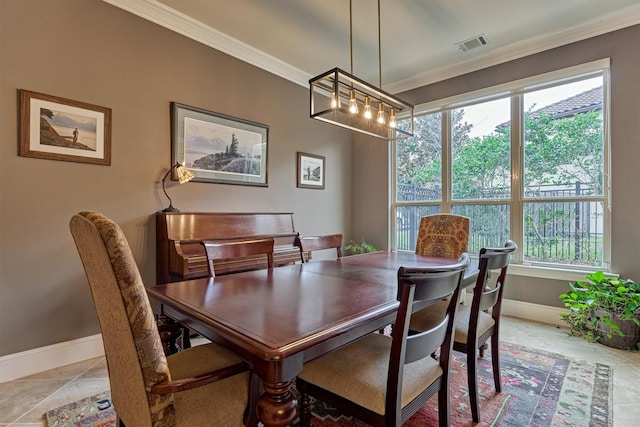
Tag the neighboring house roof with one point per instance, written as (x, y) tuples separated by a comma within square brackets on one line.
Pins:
[(590, 100)]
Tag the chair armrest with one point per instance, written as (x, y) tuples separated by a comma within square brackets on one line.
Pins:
[(184, 384)]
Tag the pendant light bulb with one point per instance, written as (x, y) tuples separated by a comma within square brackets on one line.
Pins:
[(335, 100), (367, 108), (392, 119), (381, 118), (353, 103)]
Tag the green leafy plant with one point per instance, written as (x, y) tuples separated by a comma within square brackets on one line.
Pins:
[(601, 300), (355, 248)]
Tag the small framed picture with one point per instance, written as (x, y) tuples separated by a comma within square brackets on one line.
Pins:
[(310, 171), (218, 148), (62, 129)]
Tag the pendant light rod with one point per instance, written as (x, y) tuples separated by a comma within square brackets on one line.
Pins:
[(351, 34), (379, 49)]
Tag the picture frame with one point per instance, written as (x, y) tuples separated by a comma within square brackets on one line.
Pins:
[(218, 148), (310, 171), (56, 128)]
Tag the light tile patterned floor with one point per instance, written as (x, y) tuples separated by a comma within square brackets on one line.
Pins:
[(24, 402)]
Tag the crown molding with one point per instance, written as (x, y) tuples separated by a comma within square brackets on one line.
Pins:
[(180, 23), (173, 20)]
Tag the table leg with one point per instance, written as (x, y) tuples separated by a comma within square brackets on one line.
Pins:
[(278, 405)]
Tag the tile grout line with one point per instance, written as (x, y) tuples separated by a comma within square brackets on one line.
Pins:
[(51, 395)]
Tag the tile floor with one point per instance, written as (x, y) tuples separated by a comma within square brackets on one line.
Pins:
[(24, 402)]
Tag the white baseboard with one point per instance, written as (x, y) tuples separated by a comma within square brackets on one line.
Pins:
[(533, 312), (53, 356), (526, 310), (30, 362)]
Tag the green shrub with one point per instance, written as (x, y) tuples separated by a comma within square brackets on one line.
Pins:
[(354, 248)]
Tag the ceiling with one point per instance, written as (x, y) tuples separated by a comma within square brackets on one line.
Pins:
[(299, 39)]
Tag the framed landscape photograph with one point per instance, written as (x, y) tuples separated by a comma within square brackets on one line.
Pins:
[(62, 129), (218, 148), (310, 171)]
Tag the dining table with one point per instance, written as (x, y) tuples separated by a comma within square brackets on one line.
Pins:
[(278, 319)]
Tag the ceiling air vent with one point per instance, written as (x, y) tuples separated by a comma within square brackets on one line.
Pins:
[(472, 43)]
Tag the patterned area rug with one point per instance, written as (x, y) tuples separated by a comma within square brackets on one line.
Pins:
[(95, 411), (539, 389)]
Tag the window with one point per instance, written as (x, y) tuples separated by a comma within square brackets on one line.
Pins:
[(525, 161)]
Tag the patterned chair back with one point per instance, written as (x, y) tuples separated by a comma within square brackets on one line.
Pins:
[(443, 236), (132, 344)]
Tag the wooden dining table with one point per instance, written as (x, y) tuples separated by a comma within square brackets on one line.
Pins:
[(278, 319)]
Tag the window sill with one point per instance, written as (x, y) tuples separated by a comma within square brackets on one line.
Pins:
[(550, 273)]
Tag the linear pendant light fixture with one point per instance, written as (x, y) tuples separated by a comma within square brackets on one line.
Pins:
[(342, 99)]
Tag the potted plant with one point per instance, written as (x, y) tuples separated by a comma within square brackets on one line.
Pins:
[(604, 309), (355, 248)]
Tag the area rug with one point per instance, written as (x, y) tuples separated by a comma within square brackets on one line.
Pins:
[(539, 389), (95, 411)]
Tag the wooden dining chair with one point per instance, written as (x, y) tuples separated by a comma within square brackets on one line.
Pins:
[(217, 250), (190, 388), (383, 380), (308, 244), (480, 322), (238, 249)]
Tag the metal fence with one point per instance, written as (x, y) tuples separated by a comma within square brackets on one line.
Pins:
[(569, 232)]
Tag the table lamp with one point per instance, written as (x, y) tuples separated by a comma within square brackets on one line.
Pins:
[(184, 175)]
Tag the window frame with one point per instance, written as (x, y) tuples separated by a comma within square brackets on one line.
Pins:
[(515, 90)]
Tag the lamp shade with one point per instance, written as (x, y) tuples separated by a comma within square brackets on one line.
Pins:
[(184, 174)]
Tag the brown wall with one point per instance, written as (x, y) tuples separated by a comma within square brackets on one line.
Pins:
[(622, 47), (89, 51), (96, 53)]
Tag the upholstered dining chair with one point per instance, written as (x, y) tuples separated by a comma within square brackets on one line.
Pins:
[(443, 235), (383, 380), (238, 249), (308, 244), (201, 386)]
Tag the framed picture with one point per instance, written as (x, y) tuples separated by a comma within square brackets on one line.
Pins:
[(219, 148), (62, 129), (310, 171)]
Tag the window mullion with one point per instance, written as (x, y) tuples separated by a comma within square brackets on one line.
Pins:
[(446, 145), (607, 167), (517, 173)]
